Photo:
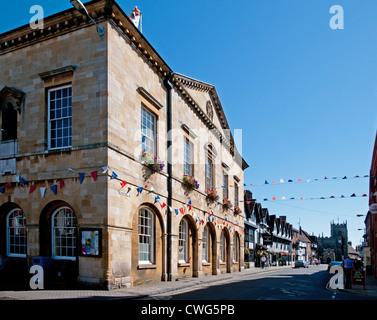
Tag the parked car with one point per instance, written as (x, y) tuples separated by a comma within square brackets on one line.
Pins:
[(334, 263), (301, 263)]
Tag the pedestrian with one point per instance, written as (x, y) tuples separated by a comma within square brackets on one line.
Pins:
[(263, 261), (347, 267)]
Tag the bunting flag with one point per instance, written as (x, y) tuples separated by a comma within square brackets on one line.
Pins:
[(32, 188), (81, 177), (157, 199), (43, 191), (123, 184), (61, 184), (94, 175), (113, 175), (54, 188)]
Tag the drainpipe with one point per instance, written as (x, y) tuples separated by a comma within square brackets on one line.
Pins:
[(169, 87)]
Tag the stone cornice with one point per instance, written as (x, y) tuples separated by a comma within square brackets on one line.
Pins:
[(71, 20)]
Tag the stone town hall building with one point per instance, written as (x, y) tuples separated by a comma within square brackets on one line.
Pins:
[(77, 110)]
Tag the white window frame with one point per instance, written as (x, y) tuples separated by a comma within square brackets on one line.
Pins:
[(183, 241), (222, 247), (58, 119), (205, 247), (146, 236), (225, 185), (236, 194), (72, 230), (150, 133), (188, 150), (9, 227), (235, 248), (209, 173)]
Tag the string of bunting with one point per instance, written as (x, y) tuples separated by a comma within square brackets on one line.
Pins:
[(353, 195), (184, 209), (282, 181)]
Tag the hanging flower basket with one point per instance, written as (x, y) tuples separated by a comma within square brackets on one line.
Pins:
[(226, 203), (247, 250), (212, 195), (237, 210), (151, 161), (190, 182)]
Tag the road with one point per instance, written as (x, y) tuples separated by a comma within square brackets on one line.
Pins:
[(272, 284)]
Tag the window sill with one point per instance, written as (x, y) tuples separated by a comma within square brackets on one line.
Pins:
[(205, 263), (184, 264), (222, 263), (146, 266)]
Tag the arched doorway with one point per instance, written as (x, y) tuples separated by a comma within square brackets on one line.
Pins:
[(209, 250), (224, 252), (148, 246), (59, 241), (13, 245), (187, 248)]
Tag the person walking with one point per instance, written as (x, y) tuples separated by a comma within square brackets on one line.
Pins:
[(347, 267), (263, 261)]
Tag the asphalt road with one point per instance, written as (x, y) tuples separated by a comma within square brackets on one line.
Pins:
[(272, 284)]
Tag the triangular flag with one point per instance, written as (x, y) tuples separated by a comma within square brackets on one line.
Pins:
[(113, 175), (81, 177), (9, 185), (281, 181), (140, 189), (94, 175), (290, 180), (181, 210), (163, 205), (299, 179), (54, 188), (146, 186), (265, 182), (273, 198), (105, 168), (157, 199), (353, 195), (32, 188), (189, 202), (61, 184), (190, 207), (43, 191), (23, 181), (2, 190), (123, 184), (176, 211), (18, 178)]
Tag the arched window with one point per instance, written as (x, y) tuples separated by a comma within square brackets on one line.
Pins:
[(146, 236), (16, 233), (63, 226), (205, 252), (235, 245), (183, 241), (222, 247)]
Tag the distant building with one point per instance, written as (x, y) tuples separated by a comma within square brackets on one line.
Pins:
[(334, 247)]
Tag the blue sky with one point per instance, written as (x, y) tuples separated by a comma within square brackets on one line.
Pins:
[(304, 95)]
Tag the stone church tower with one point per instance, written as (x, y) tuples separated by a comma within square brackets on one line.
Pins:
[(335, 246)]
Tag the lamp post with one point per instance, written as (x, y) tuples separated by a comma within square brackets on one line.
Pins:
[(81, 8)]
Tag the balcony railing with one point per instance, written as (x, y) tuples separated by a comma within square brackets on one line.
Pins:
[(8, 148)]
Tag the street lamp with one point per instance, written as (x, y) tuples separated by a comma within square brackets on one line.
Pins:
[(81, 8), (360, 215)]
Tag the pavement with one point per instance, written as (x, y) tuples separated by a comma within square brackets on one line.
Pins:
[(150, 290)]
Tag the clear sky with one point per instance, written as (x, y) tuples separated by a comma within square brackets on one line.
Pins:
[(303, 94)]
